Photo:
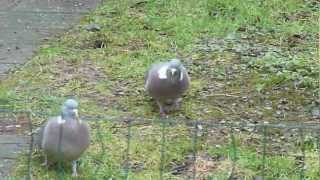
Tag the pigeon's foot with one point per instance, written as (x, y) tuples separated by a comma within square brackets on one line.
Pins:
[(163, 115), (168, 108), (162, 110)]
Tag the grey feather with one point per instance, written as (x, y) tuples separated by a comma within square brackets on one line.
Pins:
[(65, 141), (64, 137), (167, 90)]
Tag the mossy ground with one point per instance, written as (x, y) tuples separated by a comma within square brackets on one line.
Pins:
[(249, 61)]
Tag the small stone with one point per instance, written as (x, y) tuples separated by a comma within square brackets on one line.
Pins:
[(315, 112), (268, 108), (259, 113), (93, 27), (120, 93), (278, 112)]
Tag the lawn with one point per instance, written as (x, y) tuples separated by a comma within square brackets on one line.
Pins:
[(249, 61)]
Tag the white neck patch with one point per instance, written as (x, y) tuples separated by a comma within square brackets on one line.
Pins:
[(181, 76), (162, 72)]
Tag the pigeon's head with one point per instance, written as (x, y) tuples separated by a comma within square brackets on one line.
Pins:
[(174, 70), (70, 109)]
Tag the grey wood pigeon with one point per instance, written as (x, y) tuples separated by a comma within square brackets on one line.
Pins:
[(65, 137), (166, 82)]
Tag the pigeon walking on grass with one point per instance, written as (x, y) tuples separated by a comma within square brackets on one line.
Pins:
[(65, 137), (166, 82)]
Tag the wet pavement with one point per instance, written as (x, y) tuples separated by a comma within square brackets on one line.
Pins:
[(24, 24)]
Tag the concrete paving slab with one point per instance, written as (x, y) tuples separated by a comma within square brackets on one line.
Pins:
[(10, 148), (23, 25)]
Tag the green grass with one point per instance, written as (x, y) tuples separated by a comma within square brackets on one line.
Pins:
[(249, 164), (211, 37)]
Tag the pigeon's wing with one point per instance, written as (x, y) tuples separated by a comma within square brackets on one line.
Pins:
[(146, 75), (38, 135), (50, 135)]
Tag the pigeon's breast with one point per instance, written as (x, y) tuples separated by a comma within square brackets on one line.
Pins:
[(67, 141), (163, 88), (76, 140)]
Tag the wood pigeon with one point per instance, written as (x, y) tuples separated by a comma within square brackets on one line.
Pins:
[(65, 137), (166, 82)]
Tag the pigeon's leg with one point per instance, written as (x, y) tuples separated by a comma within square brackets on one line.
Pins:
[(162, 109), (74, 168), (45, 163)]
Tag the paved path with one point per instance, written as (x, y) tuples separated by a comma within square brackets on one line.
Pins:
[(23, 26), (10, 147), (13, 139), (25, 23)]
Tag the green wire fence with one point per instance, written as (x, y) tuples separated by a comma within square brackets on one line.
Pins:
[(302, 135)]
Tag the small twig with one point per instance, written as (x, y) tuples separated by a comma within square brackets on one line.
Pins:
[(227, 95), (219, 109)]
